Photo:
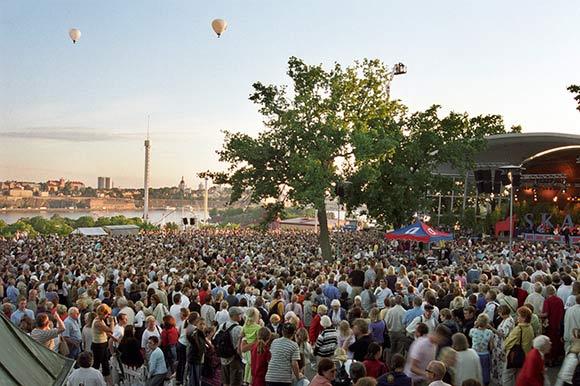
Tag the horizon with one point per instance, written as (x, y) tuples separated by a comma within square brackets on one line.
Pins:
[(79, 111)]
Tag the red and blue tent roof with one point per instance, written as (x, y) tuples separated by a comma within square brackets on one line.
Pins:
[(418, 232)]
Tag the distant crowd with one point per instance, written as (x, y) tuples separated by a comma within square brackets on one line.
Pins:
[(225, 307)]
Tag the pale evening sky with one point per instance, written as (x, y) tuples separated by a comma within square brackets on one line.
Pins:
[(80, 111)]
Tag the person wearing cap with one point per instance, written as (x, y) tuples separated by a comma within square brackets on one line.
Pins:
[(232, 370)]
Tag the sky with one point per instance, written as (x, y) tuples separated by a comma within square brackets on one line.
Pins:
[(79, 111)]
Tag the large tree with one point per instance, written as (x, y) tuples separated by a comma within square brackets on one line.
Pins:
[(394, 184), (310, 136)]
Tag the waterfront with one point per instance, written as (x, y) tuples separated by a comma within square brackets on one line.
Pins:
[(156, 216)]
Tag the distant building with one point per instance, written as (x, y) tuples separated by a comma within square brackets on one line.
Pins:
[(75, 185), (104, 183), (101, 183), (20, 193)]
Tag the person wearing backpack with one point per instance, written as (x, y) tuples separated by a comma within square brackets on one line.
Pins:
[(225, 342)]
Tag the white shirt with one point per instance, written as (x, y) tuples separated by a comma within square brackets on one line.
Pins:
[(221, 317), (175, 311), (139, 319), (382, 294), (564, 291), (130, 314), (86, 377), (439, 383)]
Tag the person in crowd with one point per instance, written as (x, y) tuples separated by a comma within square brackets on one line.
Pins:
[(427, 318), (498, 354), (260, 354), (523, 335), (285, 354), (325, 374), (359, 348), (21, 311), (248, 338), (44, 333), (533, 371), (374, 365), (72, 334), (357, 372), (157, 367), (396, 376), (336, 312), (152, 329), (481, 338), (571, 323), (327, 341), (130, 349), (421, 352), (377, 327), (553, 313), (436, 370), (85, 374), (467, 362)]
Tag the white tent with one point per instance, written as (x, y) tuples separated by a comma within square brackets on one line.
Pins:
[(121, 229), (91, 231)]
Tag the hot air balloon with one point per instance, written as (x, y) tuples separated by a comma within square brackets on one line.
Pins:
[(74, 34), (219, 26)]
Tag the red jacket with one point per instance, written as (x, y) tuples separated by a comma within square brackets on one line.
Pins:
[(532, 372), (169, 337), (315, 329), (259, 365)]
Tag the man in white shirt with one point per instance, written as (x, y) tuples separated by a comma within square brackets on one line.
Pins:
[(382, 293), (85, 375), (395, 323), (571, 322), (175, 309), (565, 290), (536, 299), (124, 308), (427, 318)]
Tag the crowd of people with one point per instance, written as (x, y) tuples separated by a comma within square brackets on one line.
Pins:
[(224, 307)]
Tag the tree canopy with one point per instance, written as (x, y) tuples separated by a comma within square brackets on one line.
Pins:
[(339, 124), (575, 89)]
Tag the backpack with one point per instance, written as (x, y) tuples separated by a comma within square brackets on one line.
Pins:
[(342, 378), (223, 342)]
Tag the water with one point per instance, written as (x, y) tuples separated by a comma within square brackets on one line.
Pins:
[(156, 216)]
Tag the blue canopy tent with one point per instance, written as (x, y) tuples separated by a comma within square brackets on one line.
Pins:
[(419, 231)]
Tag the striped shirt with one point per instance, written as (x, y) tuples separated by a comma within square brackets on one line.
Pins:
[(284, 351), (326, 343)]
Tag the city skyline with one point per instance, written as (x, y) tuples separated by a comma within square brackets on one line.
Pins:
[(80, 111)]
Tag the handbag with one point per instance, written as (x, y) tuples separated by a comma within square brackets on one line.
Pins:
[(516, 355), (386, 337), (63, 346)]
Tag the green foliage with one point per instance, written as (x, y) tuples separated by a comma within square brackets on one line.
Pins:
[(396, 183), (309, 132), (575, 89), (19, 226), (63, 226), (171, 227)]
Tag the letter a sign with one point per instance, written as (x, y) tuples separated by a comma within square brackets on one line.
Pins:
[(412, 231)]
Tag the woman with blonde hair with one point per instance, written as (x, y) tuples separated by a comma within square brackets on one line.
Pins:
[(307, 359), (377, 327), (448, 356), (345, 337), (467, 364), (402, 277), (248, 338), (391, 278), (481, 337), (102, 329)]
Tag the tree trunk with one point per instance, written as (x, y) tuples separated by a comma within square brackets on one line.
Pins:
[(324, 238)]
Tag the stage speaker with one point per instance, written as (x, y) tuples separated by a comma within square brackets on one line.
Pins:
[(497, 181), (184, 220), (484, 187), (192, 221), (482, 175)]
